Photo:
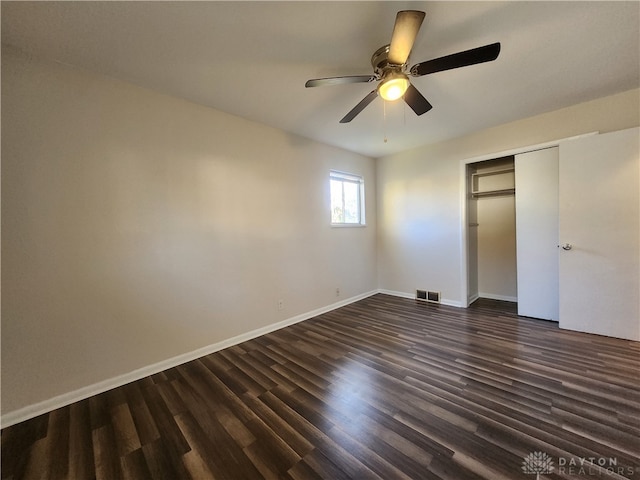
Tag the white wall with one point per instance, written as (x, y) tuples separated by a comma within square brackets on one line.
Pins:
[(419, 192), (137, 227)]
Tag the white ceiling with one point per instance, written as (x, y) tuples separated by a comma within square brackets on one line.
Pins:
[(252, 59)]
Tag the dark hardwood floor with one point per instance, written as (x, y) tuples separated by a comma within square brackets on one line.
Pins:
[(383, 388)]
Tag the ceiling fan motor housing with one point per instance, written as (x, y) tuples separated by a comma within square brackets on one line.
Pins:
[(380, 62)]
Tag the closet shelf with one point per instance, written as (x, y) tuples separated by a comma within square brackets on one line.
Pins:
[(501, 183), (494, 193)]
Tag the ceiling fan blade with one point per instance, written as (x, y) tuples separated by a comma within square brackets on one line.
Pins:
[(321, 82), (483, 54), (359, 107), (416, 101), (405, 31)]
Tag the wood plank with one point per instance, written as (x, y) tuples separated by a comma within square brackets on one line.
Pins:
[(382, 388), (81, 464), (105, 450)]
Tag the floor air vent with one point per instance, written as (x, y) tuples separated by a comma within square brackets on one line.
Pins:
[(427, 296)]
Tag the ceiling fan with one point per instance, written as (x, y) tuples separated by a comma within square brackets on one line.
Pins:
[(390, 67)]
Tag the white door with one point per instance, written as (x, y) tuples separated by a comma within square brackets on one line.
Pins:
[(600, 223), (537, 233)]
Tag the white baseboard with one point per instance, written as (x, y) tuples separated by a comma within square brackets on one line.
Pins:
[(412, 296), (491, 296), (31, 411)]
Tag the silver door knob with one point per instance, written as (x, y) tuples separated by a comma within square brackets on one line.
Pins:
[(566, 246)]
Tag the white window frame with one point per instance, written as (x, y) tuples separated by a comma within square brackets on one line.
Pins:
[(345, 177)]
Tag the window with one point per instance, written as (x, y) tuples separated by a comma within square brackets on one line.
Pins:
[(347, 198)]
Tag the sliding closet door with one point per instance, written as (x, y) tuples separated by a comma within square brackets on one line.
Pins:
[(600, 228), (537, 233)]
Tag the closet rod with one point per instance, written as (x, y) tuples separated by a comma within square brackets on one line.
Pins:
[(494, 193)]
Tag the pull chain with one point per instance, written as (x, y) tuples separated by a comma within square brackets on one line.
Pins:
[(404, 114), (384, 118)]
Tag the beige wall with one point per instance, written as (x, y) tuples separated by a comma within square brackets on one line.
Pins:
[(137, 227), (497, 269), (420, 197)]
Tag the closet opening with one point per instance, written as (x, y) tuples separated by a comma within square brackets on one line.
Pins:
[(491, 214)]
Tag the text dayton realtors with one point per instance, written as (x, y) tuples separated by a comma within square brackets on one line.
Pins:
[(592, 466)]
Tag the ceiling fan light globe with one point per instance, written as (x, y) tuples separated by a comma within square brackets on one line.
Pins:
[(393, 88)]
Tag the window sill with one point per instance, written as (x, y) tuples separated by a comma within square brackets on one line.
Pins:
[(348, 225)]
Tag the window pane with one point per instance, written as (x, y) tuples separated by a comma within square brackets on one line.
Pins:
[(347, 192), (351, 202), (337, 202)]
